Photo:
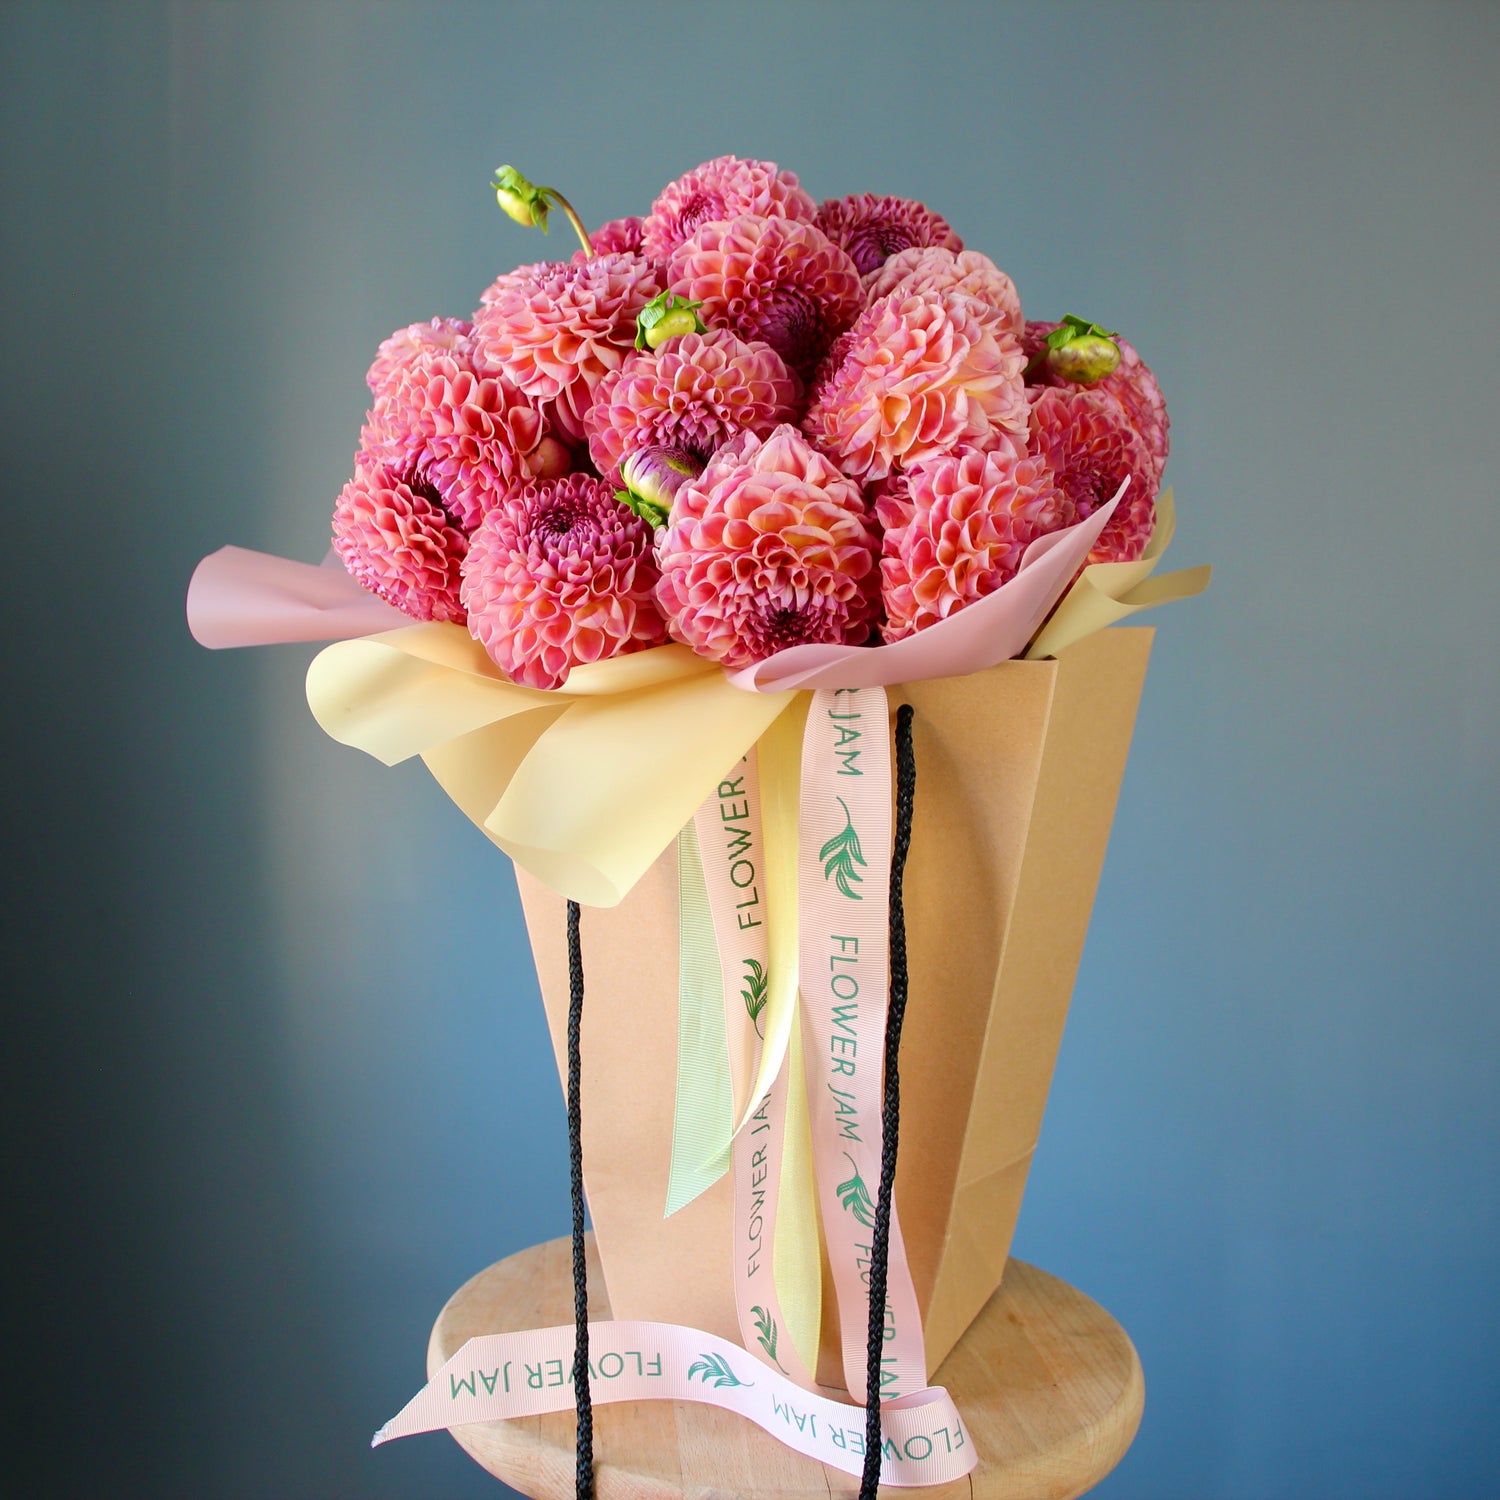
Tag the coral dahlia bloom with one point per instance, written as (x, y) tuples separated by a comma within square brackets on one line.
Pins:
[(400, 541), (1131, 384), (469, 435), (407, 345), (556, 334), (693, 393), (778, 281), (872, 229), (1090, 445), (958, 529), (921, 374), (723, 188), (961, 528), (940, 270), (518, 277), (560, 573), (769, 547)]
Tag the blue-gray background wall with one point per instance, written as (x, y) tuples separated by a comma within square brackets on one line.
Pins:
[(279, 1078)]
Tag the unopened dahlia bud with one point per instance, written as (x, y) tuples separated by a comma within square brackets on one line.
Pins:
[(666, 317), (1081, 353), (552, 459), (520, 198), (652, 478), (529, 204)]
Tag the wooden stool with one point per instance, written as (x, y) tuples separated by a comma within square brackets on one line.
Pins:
[(1049, 1386)]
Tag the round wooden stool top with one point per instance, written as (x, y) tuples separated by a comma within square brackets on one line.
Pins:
[(1048, 1383)]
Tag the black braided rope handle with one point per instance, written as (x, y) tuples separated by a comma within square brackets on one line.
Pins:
[(906, 791), (582, 1396), (906, 786)]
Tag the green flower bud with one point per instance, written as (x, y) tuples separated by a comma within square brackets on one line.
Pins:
[(1082, 353), (653, 477), (520, 198), (654, 515), (666, 317)]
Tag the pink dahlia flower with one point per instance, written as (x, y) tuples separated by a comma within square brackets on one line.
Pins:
[(1131, 384), (769, 547), (778, 281), (470, 436), (519, 277), (400, 541), (965, 521), (614, 236), (872, 229), (723, 188), (1091, 446), (890, 498), (939, 270), (920, 375), (407, 345), (695, 393), (558, 333), (560, 573)]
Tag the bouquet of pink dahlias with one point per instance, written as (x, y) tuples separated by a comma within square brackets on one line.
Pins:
[(643, 557), (885, 357)]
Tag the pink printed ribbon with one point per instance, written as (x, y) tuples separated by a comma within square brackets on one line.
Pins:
[(843, 877), (843, 885), (503, 1375)]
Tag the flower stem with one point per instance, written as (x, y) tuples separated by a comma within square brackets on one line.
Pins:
[(573, 218)]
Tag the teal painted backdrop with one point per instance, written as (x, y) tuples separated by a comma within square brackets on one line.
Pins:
[(278, 1072)]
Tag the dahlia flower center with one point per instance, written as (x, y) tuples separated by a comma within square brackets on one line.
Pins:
[(424, 489), (575, 522), (693, 438), (700, 208), (872, 245), (788, 321), (1089, 487), (782, 626)]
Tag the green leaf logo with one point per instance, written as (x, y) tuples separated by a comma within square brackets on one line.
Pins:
[(754, 993), (855, 1197), (713, 1369), (766, 1338), (841, 854)]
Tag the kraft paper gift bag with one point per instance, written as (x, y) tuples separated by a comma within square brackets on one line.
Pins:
[(1018, 771)]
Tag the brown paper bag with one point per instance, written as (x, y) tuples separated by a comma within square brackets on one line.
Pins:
[(1018, 769)]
